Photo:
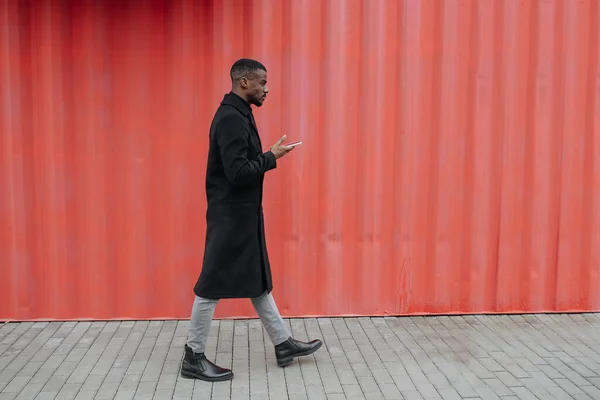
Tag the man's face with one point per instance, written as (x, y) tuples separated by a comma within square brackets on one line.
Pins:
[(256, 87)]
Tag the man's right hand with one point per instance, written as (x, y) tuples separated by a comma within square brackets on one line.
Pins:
[(280, 150)]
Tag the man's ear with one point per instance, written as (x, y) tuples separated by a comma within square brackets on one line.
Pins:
[(244, 82)]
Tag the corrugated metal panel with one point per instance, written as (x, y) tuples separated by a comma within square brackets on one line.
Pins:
[(451, 156)]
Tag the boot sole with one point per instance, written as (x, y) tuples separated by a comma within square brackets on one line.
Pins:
[(288, 360), (187, 375)]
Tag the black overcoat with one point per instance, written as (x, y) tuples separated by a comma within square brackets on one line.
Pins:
[(236, 263)]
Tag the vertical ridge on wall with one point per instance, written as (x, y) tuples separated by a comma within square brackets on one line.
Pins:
[(574, 154), (8, 174), (593, 160), (450, 159)]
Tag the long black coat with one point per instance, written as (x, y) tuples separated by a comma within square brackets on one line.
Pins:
[(236, 263)]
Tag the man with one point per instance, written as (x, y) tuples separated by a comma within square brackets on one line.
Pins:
[(236, 263)]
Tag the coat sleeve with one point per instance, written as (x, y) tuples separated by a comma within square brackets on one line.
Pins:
[(232, 138)]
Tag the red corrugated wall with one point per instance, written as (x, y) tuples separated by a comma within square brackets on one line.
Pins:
[(451, 156)]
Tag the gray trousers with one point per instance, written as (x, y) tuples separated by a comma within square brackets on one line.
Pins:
[(204, 309)]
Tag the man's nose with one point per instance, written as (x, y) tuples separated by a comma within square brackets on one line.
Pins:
[(266, 89)]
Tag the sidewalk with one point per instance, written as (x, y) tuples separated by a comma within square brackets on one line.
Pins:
[(486, 357)]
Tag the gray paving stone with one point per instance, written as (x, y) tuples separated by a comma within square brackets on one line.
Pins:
[(82, 395), (508, 379), (164, 395), (592, 391), (524, 393), (582, 397), (106, 391), (124, 395), (368, 384), (221, 392), (449, 394), (30, 391), (352, 390), (92, 383), (488, 357), (184, 388), (16, 385), (69, 391), (297, 397), (374, 396), (390, 391), (42, 376), (499, 388), (315, 393), (46, 396)]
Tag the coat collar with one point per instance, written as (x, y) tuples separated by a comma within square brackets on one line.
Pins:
[(236, 101)]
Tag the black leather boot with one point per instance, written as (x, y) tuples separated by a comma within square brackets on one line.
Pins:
[(196, 366), (292, 348)]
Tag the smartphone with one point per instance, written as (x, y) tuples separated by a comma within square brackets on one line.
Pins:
[(294, 144)]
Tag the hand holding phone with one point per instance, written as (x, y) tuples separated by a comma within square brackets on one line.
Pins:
[(280, 149)]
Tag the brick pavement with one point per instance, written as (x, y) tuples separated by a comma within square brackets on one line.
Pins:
[(470, 357)]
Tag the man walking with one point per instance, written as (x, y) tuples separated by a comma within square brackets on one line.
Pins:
[(236, 263)]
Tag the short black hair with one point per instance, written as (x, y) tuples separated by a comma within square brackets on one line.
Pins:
[(245, 67)]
